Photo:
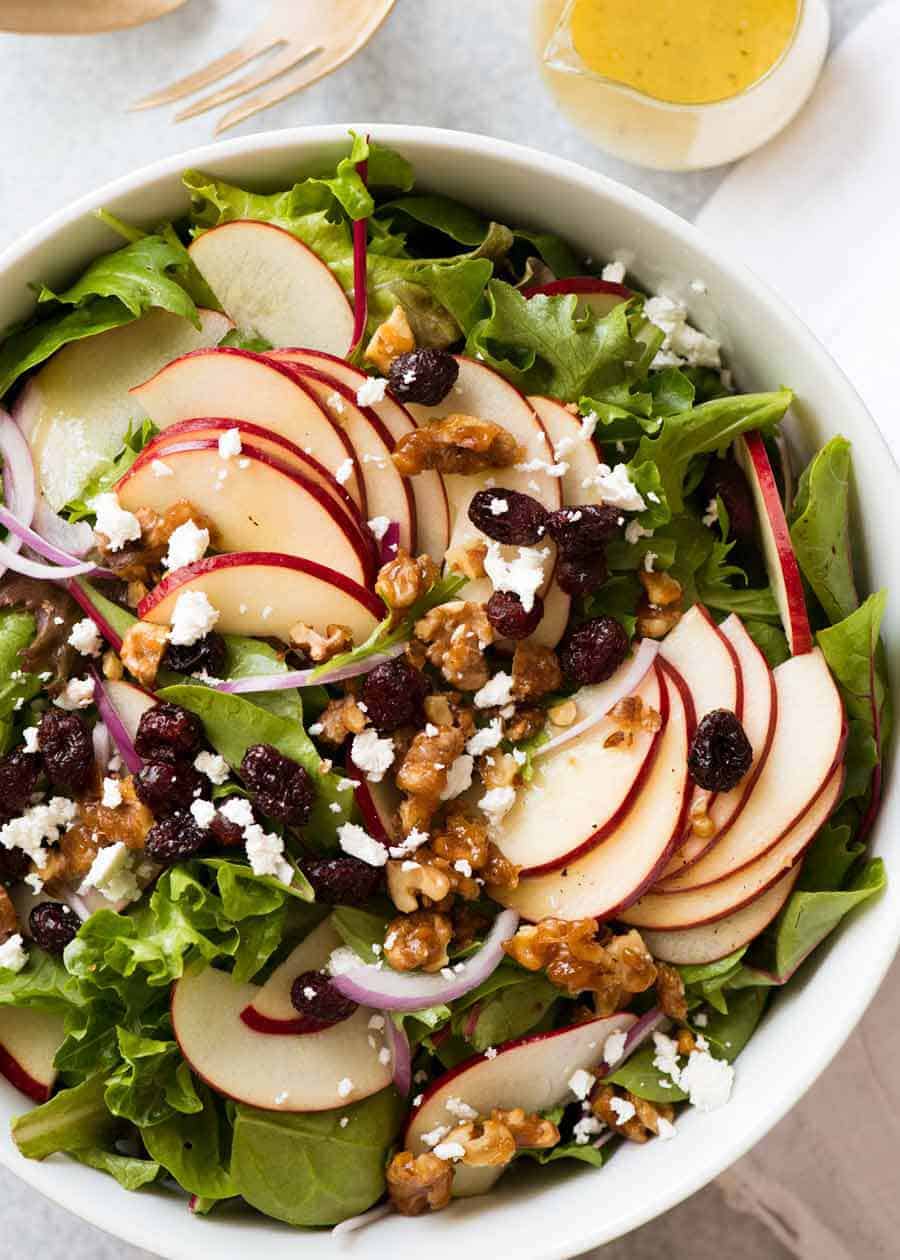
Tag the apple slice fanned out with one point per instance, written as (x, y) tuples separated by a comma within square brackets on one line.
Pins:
[(806, 746), (254, 503), (130, 702), (760, 710), (272, 284), (615, 873), (532, 1073), (77, 410), (272, 1010), (243, 386), (263, 594), (781, 562), (672, 911), (571, 446), (317, 1072), (601, 783), (432, 509), (29, 1040), (378, 802)]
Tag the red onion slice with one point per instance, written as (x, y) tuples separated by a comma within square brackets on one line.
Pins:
[(83, 600), (77, 540), (399, 1044), (115, 725), (605, 695), (378, 986), (63, 565), (360, 273), (18, 478), (649, 1023), (306, 677)]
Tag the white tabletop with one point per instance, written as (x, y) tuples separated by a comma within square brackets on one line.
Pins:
[(803, 1191)]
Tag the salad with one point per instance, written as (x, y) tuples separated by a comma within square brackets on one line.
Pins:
[(435, 721)]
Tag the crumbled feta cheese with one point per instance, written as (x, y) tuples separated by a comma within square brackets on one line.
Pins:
[(545, 466), (213, 766), (112, 793), (485, 739), (586, 1128), (523, 575), (519, 756), (497, 803), (192, 619), (187, 545), (581, 1083), (345, 1087), (616, 488), (622, 1109), (634, 532), (379, 525), (116, 525), (335, 403), (344, 471), (30, 735), (160, 468), (613, 272), (203, 812), (707, 1080), (711, 515), (384, 1056), (498, 507), (267, 612), (449, 1150), (495, 692), (35, 883), (358, 843), (433, 1136), (459, 777), (78, 693), (464, 867), (13, 956), (701, 1019), (38, 825), (413, 841), (461, 1110), (614, 1048), (230, 444), (265, 851), (376, 1023), (238, 810), (281, 1098), (85, 638), (112, 874), (373, 754), (681, 342), (371, 391), (490, 1053), (650, 558)]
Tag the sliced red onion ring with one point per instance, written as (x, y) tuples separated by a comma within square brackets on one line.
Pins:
[(604, 696), (305, 677), (352, 1223), (389, 543), (18, 477), (360, 272), (83, 600), (77, 540), (399, 1044), (371, 985), (639, 1032), (115, 725), (102, 746), (63, 565)]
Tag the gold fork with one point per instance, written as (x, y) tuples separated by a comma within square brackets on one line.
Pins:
[(309, 37)]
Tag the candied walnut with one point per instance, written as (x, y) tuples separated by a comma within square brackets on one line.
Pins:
[(418, 941), (663, 591), (415, 813), (524, 724), (635, 1118), (631, 715), (487, 1143), (576, 960), (422, 774), (498, 871), (527, 1128), (438, 707), (113, 668), (670, 993), (457, 635), (141, 562), (55, 613), (498, 769), (341, 718), (143, 649), (456, 444), (97, 827), (414, 878), (418, 1184), (318, 647), (462, 839), (702, 826), (469, 925), (8, 922), (405, 579), (655, 623), (468, 560), (685, 1041), (389, 340), (535, 671), (135, 592)]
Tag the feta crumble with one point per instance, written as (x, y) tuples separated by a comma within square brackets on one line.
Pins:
[(265, 851), (373, 754), (433, 1136), (13, 956), (344, 471), (203, 812), (616, 488), (623, 1109), (78, 693), (379, 525), (523, 576), (187, 545), (497, 803), (711, 515), (357, 842), (38, 825), (496, 691), (665, 1129), (345, 1087), (112, 793), (85, 638), (485, 739), (586, 1128), (634, 532), (238, 810), (413, 841), (192, 619), (498, 507), (116, 525), (459, 777), (614, 1048), (371, 391), (213, 766), (30, 735), (681, 342), (112, 874), (650, 558), (230, 444), (613, 272), (461, 1110), (581, 1083), (449, 1150), (707, 1080)]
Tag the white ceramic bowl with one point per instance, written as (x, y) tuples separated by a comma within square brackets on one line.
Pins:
[(559, 1211)]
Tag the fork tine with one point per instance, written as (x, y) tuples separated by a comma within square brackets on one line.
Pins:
[(239, 56), (307, 75), (273, 67)]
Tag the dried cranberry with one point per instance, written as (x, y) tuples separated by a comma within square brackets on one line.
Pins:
[(53, 926), (724, 479), (423, 376), (208, 655), (342, 881), (166, 787), (174, 839), (167, 732), (507, 615), (18, 778), (228, 834), (393, 693), (594, 651), (14, 865), (581, 575), (313, 994), (720, 753), (580, 531), (67, 749), (282, 788), (508, 516)]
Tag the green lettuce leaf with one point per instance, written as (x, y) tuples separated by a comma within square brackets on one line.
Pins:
[(74, 1119), (770, 639), (360, 930), (17, 629), (42, 983), (810, 917), (110, 471), (131, 1173), (510, 1011), (152, 1084), (831, 856), (28, 345), (821, 529), (195, 1148)]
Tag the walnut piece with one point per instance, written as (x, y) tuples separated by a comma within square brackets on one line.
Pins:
[(140, 562), (390, 339), (418, 1184), (97, 827), (409, 880), (468, 559), (655, 623), (524, 724), (563, 714), (457, 635), (577, 961), (487, 1143), (641, 1125), (462, 839), (663, 591), (341, 718), (670, 993), (498, 769), (317, 647), (112, 666), (405, 579), (456, 444), (631, 715), (8, 922), (659, 612), (143, 649), (535, 671), (423, 771), (418, 941), (528, 1128)]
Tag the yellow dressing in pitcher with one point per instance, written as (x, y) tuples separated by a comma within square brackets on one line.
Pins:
[(689, 52)]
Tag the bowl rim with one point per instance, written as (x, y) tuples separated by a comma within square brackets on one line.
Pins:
[(572, 1236)]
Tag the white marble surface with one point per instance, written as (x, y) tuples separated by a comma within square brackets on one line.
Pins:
[(812, 1188)]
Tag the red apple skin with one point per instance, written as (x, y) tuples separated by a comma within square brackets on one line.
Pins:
[(372, 820), (17, 1076), (578, 284), (275, 559), (301, 1026)]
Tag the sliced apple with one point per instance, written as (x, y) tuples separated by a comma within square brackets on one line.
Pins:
[(269, 281), (696, 946), (806, 746), (260, 593), (387, 493), (245, 386), (378, 802), (784, 572), (76, 411), (432, 508), (760, 710), (272, 1010), (29, 1040), (601, 785), (572, 447), (599, 296), (533, 1073), (317, 1072), (614, 874), (671, 911), (130, 702), (253, 503)]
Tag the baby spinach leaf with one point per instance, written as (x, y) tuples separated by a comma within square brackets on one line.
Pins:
[(195, 1148), (360, 930), (307, 1169), (74, 1119), (811, 916), (130, 1172), (729, 1031), (510, 1012), (17, 687), (771, 640), (639, 1075), (586, 1153), (698, 973), (830, 857), (821, 529)]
